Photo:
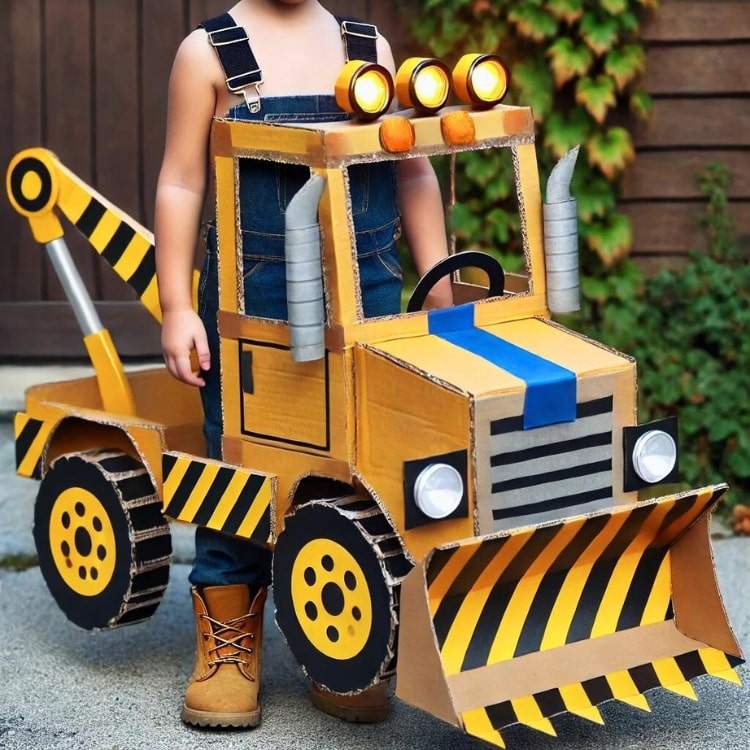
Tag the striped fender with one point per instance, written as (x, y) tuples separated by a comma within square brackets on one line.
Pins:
[(31, 438), (225, 498), (582, 698)]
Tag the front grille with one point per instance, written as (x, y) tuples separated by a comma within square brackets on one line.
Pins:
[(551, 472)]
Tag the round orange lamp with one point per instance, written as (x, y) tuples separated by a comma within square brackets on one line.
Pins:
[(481, 80), (423, 83), (364, 89)]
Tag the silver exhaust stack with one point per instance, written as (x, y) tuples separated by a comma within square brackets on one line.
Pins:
[(561, 238), (304, 273)]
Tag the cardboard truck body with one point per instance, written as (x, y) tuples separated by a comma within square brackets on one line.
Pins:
[(548, 587)]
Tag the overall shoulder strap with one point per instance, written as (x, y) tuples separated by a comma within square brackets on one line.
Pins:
[(361, 39), (232, 45)]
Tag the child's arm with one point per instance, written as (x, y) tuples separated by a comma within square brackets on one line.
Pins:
[(179, 204), (422, 211)]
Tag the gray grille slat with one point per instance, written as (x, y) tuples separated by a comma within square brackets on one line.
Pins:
[(550, 490), (550, 463)]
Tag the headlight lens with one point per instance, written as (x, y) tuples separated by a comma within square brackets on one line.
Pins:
[(423, 83), (481, 80), (438, 491), (654, 456), (364, 89)]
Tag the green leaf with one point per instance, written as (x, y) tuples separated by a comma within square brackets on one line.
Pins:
[(625, 63), (612, 239), (599, 32), (615, 7), (595, 196), (532, 22), (569, 60), (597, 95), (566, 10), (563, 132), (533, 80), (641, 104), (611, 151)]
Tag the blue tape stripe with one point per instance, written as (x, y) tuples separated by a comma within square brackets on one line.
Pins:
[(550, 388)]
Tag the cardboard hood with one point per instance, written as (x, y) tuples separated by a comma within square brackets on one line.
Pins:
[(521, 626)]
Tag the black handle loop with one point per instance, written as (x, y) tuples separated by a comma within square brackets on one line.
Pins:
[(453, 263)]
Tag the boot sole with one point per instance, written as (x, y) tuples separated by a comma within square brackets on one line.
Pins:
[(358, 715), (213, 720)]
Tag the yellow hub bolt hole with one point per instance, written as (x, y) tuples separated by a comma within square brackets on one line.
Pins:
[(331, 599), (82, 541)]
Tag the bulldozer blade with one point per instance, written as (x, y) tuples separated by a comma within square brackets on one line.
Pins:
[(525, 625)]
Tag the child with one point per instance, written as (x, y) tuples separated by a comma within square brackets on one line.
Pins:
[(298, 47)]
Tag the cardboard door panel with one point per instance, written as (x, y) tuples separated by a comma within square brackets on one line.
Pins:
[(282, 400)]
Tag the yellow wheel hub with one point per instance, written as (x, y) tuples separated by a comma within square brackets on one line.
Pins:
[(331, 599), (82, 541)]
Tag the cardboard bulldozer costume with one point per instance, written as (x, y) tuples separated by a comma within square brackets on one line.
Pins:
[(452, 495)]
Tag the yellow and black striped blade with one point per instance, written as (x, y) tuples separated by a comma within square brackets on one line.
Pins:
[(497, 598), (224, 498), (31, 438)]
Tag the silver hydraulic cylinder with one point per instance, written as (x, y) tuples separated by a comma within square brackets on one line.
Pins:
[(74, 288), (304, 273), (561, 238)]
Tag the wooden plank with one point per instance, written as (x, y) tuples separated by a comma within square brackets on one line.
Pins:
[(68, 112), (652, 264), (50, 330), (698, 20), (673, 228), (20, 255), (696, 122), (394, 20), (163, 27), (201, 10), (705, 69), (117, 149), (672, 174)]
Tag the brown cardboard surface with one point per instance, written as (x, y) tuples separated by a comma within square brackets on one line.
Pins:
[(227, 226)]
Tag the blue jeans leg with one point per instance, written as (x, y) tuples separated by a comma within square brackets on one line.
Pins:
[(220, 559)]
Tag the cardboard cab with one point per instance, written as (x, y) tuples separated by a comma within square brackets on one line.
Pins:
[(452, 495)]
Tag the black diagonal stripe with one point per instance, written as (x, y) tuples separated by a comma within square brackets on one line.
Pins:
[(670, 611), (465, 580), (494, 608), (647, 569), (37, 473), (572, 472), (167, 464), (691, 665), (244, 502), (262, 532), (26, 438), (597, 690), (734, 661), (599, 577), (552, 449), (550, 702), (91, 217), (645, 677), (437, 563), (145, 272), (182, 493), (213, 496), (537, 619), (509, 424), (115, 248), (594, 408), (501, 715), (569, 501)]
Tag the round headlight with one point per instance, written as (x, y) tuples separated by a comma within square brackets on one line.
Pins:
[(423, 83), (438, 491), (481, 80), (654, 456), (364, 89)]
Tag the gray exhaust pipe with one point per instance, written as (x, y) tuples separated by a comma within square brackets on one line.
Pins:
[(561, 238), (304, 273)]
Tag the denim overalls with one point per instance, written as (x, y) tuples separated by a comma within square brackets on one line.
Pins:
[(265, 191)]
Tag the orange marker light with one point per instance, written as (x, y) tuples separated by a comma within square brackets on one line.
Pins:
[(480, 80), (364, 89), (423, 83)]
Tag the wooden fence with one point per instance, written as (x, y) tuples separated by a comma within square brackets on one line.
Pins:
[(88, 78)]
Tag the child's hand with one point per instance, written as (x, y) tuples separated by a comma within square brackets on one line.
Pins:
[(182, 332), (440, 296)]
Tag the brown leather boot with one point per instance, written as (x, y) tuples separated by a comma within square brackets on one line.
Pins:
[(224, 690), (370, 707)]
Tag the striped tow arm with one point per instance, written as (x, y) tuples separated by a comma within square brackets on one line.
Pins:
[(31, 438), (224, 498)]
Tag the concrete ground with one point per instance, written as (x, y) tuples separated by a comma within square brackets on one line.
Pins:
[(62, 688)]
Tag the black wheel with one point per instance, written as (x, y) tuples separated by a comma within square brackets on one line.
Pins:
[(337, 569), (103, 545)]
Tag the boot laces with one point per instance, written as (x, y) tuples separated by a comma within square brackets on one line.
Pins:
[(229, 634)]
